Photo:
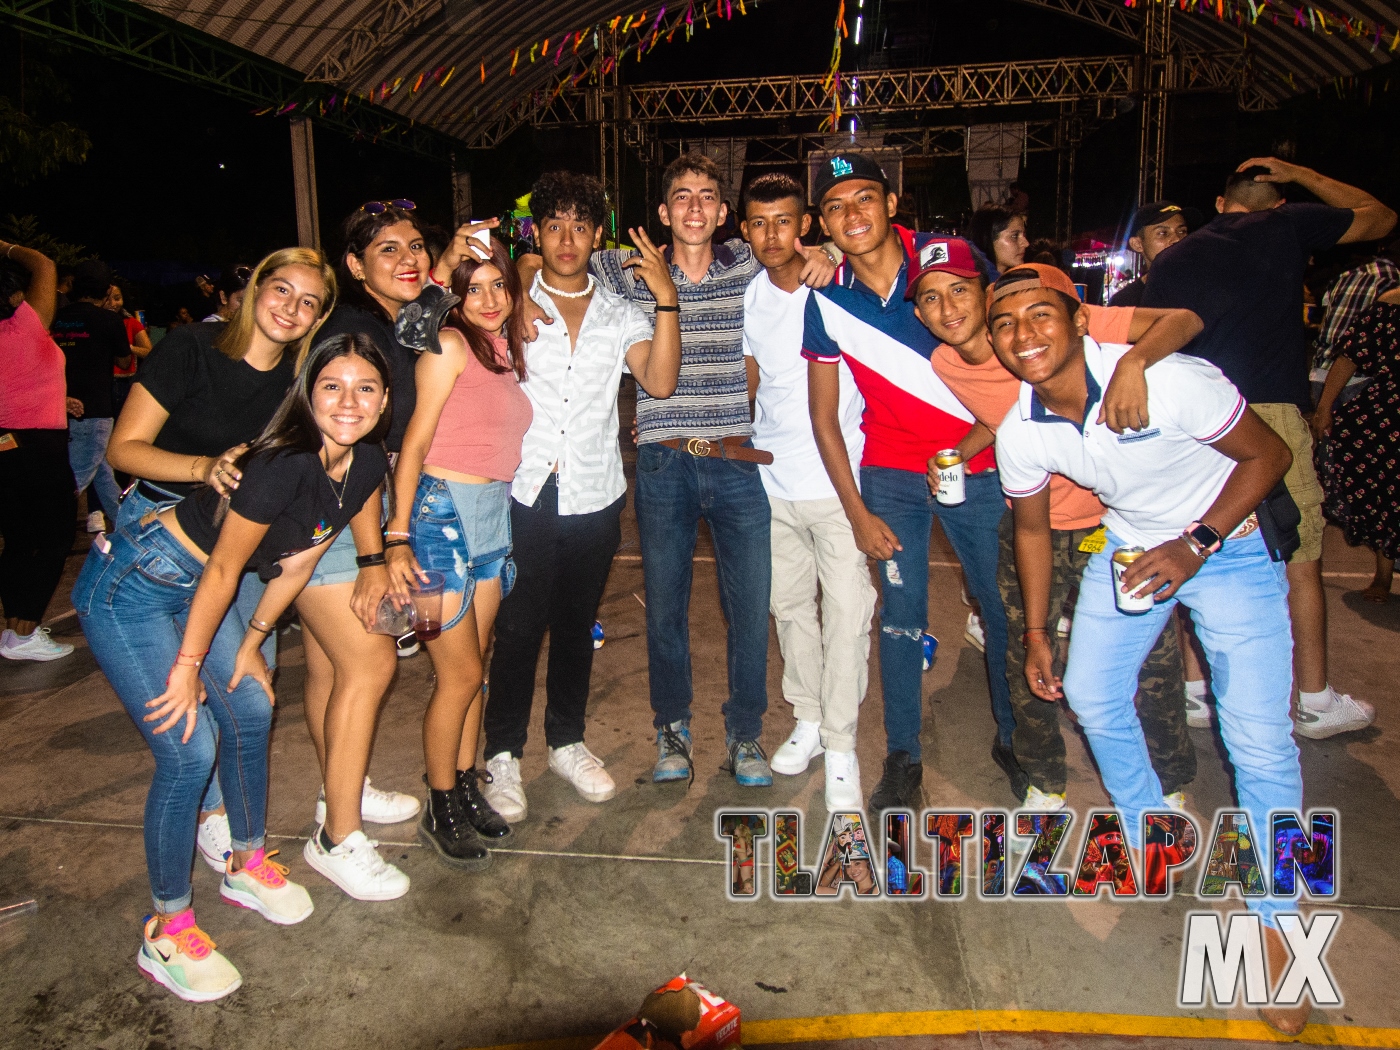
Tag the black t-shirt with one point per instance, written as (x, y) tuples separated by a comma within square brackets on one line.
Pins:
[(1242, 274), (403, 395), (290, 493), (1130, 294), (91, 339), (214, 403)]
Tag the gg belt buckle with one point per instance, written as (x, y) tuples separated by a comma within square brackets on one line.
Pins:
[(698, 446)]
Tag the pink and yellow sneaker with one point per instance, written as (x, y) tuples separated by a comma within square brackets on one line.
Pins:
[(182, 958), (263, 886)]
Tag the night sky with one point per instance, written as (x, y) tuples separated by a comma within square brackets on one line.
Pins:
[(180, 179)]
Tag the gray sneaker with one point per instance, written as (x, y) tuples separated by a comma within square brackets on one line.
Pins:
[(673, 754), (748, 763)]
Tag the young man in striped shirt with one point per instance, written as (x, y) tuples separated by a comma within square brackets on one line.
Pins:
[(695, 459)]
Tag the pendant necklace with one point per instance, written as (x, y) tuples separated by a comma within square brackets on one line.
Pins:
[(570, 295), (340, 496)]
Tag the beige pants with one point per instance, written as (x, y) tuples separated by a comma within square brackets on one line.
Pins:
[(1301, 480), (825, 662)]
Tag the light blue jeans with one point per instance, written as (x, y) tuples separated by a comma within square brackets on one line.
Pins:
[(87, 455), (1239, 603)]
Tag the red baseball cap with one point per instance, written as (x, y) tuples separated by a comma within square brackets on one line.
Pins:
[(945, 255), (1028, 277)]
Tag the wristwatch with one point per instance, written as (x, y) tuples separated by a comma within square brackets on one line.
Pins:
[(1202, 539)]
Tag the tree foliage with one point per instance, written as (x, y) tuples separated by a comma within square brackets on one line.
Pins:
[(30, 150), (24, 229)]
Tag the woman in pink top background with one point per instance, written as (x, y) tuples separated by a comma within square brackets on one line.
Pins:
[(459, 456)]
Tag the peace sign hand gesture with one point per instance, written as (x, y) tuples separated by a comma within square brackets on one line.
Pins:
[(652, 268)]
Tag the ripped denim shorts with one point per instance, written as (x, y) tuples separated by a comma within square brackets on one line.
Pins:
[(463, 531)]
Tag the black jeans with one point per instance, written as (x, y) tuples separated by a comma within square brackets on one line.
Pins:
[(562, 563), (38, 511)]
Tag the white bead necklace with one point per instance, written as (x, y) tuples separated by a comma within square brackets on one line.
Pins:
[(570, 295)]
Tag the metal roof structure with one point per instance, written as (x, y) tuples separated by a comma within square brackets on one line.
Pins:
[(368, 46)]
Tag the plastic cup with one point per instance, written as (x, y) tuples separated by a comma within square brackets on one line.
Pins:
[(393, 621), (427, 605)]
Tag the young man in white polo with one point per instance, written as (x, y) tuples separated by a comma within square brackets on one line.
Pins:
[(1184, 492), (825, 660)]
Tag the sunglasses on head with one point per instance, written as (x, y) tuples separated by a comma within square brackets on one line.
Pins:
[(379, 207), (243, 273)]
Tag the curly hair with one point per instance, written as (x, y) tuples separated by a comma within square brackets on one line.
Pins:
[(560, 193)]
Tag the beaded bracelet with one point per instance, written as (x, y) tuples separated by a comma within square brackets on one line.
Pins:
[(391, 532)]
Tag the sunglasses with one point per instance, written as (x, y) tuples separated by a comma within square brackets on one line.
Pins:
[(379, 207), (243, 273)]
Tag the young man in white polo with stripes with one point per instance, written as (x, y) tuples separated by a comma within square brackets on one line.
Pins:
[(825, 661), (1184, 491)]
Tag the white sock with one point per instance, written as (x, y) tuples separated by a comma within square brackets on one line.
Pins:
[(1196, 690), (1318, 702)]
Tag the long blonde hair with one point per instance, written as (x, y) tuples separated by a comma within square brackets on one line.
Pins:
[(233, 342)]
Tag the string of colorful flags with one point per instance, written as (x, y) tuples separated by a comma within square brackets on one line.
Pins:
[(636, 34), (1279, 12)]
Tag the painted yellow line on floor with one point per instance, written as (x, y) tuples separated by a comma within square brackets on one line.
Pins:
[(964, 1022)]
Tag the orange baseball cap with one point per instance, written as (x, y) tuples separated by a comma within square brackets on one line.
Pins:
[(1027, 277)]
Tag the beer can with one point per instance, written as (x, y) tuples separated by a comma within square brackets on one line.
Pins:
[(597, 633), (952, 486), (1138, 601), (930, 648)]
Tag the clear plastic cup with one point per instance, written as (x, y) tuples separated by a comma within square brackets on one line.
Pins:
[(393, 621), (427, 605)]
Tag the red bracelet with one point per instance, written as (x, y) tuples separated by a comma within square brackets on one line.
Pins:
[(190, 659), (440, 284)]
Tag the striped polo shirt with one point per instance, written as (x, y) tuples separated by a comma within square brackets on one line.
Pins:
[(712, 392), (910, 414)]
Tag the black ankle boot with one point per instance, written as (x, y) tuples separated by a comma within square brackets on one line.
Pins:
[(445, 827), (489, 824)]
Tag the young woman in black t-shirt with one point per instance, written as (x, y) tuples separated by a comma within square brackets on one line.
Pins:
[(200, 397), (384, 266), (318, 467)]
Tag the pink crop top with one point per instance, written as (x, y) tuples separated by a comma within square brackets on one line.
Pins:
[(483, 423)]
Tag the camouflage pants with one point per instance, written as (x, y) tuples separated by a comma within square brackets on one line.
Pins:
[(1039, 748)]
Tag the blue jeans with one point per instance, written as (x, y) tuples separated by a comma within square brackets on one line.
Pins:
[(1239, 602), (901, 498), (132, 603), (675, 490), (87, 455)]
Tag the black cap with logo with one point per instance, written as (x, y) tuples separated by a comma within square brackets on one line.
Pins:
[(843, 167)]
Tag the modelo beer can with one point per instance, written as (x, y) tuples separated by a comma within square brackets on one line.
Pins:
[(1138, 601), (952, 485)]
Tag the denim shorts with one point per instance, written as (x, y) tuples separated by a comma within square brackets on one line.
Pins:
[(463, 532), (337, 565)]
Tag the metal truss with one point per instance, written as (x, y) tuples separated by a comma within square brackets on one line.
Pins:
[(162, 45), (885, 92), (947, 140), (359, 46), (1157, 69)]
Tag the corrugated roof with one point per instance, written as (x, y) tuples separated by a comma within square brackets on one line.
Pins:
[(361, 45)]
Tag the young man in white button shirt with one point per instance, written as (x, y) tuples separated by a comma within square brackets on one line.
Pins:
[(567, 497), (1184, 490), (825, 663)]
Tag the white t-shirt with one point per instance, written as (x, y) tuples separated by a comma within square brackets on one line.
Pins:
[(773, 322), (1153, 482)]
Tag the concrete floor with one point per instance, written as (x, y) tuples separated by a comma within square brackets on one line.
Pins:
[(594, 905)]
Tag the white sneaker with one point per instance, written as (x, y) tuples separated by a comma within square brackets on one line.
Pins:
[(842, 781), (798, 750), (36, 646), (1043, 801), (503, 789), (974, 633), (1199, 714), (214, 840), (1176, 800), (584, 770), (377, 807), (357, 868), (95, 522), (1346, 715)]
